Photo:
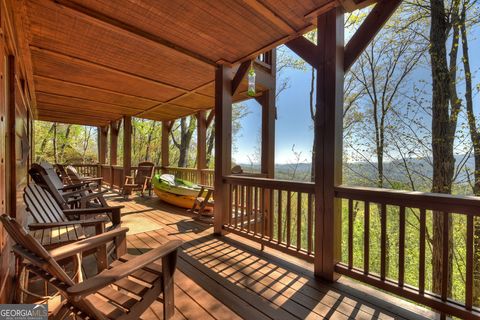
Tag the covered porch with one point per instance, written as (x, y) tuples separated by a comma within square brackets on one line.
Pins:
[(277, 249)]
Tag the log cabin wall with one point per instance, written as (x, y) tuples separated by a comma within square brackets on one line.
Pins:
[(16, 132)]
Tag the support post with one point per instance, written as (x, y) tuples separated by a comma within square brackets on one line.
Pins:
[(114, 128), (127, 145), (223, 143), (113, 142), (11, 159), (201, 144), (166, 127), (328, 138), (102, 133)]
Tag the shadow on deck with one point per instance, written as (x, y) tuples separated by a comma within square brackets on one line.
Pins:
[(230, 278)]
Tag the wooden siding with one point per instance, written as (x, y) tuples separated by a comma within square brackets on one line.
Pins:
[(15, 132)]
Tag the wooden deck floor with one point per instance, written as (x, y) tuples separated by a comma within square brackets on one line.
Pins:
[(230, 278)]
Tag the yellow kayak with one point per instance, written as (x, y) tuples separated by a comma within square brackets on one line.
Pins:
[(176, 200)]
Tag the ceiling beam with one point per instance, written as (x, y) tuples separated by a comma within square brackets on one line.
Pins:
[(115, 108), (72, 121), (41, 77), (61, 55), (118, 25), (239, 75), (304, 48), (270, 15), (203, 86), (312, 15), (372, 24)]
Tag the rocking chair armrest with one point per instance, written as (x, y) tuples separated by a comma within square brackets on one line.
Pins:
[(92, 179), (129, 177), (74, 186), (69, 212), (82, 194), (87, 244), (114, 274), (86, 223)]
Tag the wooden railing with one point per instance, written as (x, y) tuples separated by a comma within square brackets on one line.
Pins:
[(415, 211), (275, 213), (116, 173), (86, 170)]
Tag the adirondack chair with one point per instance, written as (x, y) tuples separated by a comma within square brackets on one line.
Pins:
[(75, 177), (76, 194), (102, 296), (62, 173), (141, 180), (75, 199)]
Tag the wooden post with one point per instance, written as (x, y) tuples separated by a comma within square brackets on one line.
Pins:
[(102, 133), (166, 127), (11, 154), (114, 128), (113, 142), (223, 143), (201, 144), (127, 145), (328, 138)]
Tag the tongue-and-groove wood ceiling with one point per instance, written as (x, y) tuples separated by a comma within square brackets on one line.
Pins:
[(96, 60)]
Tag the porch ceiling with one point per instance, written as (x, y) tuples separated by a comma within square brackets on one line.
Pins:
[(93, 61)]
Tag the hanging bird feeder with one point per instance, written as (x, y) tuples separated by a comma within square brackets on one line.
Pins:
[(251, 81)]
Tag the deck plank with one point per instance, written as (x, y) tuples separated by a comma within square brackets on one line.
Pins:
[(227, 278)]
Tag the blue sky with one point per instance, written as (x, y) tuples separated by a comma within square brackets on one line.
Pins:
[(294, 125)]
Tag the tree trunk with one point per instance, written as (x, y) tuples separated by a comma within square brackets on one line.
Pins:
[(64, 143), (442, 137), (186, 133), (55, 142), (475, 137), (44, 143), (210, 144), (149, 142)]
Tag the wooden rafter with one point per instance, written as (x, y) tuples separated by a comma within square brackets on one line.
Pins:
[(303, 48), (270, 15), (153, 108), (90, 87), (125, 27), (55, 54), (379, 15), (241, 72)]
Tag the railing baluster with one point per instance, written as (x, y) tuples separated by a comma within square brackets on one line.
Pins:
[(366, 241), (383, 241), (289, 217), (299, 221), (469, 267), (236, 204), (350, 233), (310, 225), (242, 206), (255, 210), (401, 248), (230, 187), (445, 256), (279, 219), (249, 208), (421, 264)]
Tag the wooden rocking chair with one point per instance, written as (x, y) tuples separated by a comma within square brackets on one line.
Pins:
[(75, 178), (141, 181), (76, 199), (80, 193), (62, 173), (103, 296)]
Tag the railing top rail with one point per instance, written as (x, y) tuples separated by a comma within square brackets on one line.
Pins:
[(307, 187), (413, 199)]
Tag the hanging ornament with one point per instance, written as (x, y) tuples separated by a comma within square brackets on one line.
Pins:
[(251, 81)]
